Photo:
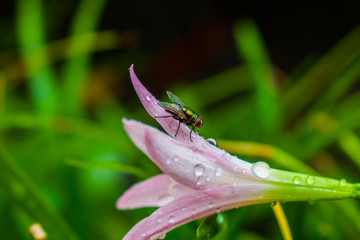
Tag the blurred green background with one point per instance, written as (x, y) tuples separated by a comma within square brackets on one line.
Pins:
[(285, 76)]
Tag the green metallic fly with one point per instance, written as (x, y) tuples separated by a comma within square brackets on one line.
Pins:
[(181, 112)]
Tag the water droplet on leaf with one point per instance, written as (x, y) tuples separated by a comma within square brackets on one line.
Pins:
[(310, 180), (342, 182), (261, 169), (297, 180)]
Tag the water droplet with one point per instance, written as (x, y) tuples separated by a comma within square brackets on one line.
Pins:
[(184, 209), (342, 182), (273, 204), (200, 180), (171, 219), (243, 171), (218, 210), (199, 169), (211, 204), (310, 180), (212, 142), (194, 135), (297, 180), (144, 234), (235, 183), (168, 161), (218, 171), (159, 219), (148, 98), (226, 156), (161, 236), (193, 210), (261, 169), (176, 159)]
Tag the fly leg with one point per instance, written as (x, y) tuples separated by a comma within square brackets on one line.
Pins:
[(177, 130), (192, 129), (163, 116)]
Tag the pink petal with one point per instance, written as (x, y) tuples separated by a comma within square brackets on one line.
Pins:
[(150, 103), (194, 206), (170, 126), (187, 164), (153, 192)]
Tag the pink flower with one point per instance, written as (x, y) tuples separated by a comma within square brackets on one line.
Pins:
[(200, 179)]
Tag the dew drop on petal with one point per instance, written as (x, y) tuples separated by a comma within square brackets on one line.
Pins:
[(310, 180), (144, 234), (161, 236), (148, 98), (226, 156), (297, 180), (218, 171), (193, 210), (211, 204), (176, 159), (261, 169), (171, 219), (199, 169), (159, 219), (168, 161), (212, 142), (200, 180)]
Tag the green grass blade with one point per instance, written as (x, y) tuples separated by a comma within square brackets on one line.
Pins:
[(31, 35), (28, 198), (251, 48), (76, 69), (340, 85), (350, 143), (313, 82), (108, 165)]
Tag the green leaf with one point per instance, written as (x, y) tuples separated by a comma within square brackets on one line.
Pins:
[(251, 48), (108, 165)]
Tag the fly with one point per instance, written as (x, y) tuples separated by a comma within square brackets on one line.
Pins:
[(181, 112)]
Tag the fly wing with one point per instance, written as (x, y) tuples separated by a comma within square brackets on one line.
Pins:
[(172, 107), (175, 99)]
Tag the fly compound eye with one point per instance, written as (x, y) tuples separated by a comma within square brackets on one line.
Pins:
[(198, 122)]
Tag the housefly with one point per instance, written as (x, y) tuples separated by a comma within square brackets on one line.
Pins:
[(181, 112)]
